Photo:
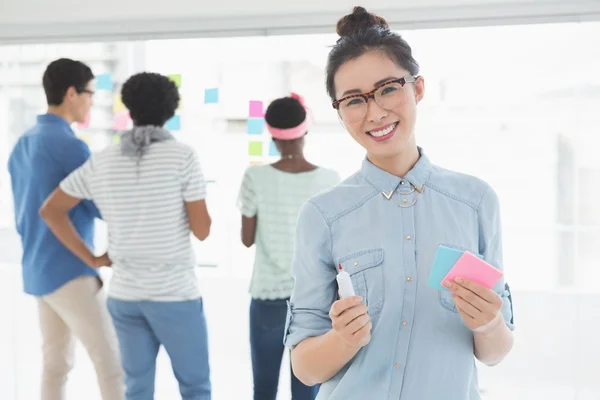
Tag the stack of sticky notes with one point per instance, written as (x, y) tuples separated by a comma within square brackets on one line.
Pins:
[(450, 263)]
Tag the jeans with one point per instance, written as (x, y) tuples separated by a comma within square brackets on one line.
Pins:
[(143, 326), (267, 325)]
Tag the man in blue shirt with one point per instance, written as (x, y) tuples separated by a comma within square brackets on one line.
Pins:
[(69, 293)]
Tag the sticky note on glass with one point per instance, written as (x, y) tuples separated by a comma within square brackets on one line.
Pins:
[(473, 268), (445, 259), (104, 82), (211, 96), (116, 139), (85, 138), (86, 123), (255, 149), (273, 152), (118, 105), (256, 109), (176, 78), (255, 126), (122, 121), (174, 124)]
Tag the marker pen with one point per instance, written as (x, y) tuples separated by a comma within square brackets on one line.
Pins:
[(344, 283)]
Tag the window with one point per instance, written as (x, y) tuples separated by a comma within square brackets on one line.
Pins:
[(514, 105)]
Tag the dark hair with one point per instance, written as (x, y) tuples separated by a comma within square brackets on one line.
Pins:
[(361, 32), (62, 74), (151, 98), (286, 112)]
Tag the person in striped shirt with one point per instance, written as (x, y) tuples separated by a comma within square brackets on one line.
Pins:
[(270, 198), (151, 193)]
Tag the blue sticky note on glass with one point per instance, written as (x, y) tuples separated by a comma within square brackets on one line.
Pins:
[(445, 258), (255, 126), (174, 124), (273, 152), (211, 96), (104, 82)]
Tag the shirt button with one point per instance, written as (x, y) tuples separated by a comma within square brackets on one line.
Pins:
[(409, 279), (404, 322), (402, 183), (408, 237), (405, 201), (397, 365), (356, 263)]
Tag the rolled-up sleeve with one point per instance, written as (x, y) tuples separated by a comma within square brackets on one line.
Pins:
[(490, 246), (78, 183), (314, 274), (193, 183)]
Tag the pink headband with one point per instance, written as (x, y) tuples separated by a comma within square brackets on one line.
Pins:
[(297, 131)]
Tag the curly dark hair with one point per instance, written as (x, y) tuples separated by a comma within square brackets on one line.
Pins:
[(151, 98), (285, 112), (361, 32)]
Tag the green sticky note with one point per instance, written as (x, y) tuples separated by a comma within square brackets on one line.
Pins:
[(177, 79), (255, 148)]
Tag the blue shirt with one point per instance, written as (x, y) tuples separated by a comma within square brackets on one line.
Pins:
[(40, 160), (420, 347)]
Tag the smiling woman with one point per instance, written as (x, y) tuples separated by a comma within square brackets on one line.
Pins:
[(411, 206), (388, 74)]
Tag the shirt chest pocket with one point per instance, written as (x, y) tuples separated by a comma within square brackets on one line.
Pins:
[(366, 271)]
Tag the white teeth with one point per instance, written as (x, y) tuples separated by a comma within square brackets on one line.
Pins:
[(384, 132)]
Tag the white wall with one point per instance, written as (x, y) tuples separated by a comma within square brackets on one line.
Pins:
[(65, 20)]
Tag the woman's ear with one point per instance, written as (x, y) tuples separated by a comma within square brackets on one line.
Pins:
[(419, 89)]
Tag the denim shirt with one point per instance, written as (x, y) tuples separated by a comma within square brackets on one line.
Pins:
[(385, 230)]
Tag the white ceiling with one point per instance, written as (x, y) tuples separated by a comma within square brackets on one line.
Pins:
[(66, 20)]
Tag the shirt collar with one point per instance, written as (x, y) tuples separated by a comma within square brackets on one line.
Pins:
[(49, 118), (387, 183)]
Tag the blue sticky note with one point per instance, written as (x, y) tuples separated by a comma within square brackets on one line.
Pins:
[(445, 259), (211, 96), (174, 124), (255, 126), (104, 82), (273, 152)]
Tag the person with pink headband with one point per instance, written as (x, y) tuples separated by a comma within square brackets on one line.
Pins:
[(270, 199)]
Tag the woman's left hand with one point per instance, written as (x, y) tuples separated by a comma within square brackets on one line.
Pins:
[(477, 305)]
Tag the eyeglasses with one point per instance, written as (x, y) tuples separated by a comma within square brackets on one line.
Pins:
[(90, 92), (388, 95)]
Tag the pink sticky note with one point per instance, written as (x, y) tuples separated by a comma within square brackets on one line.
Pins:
[(86, 123), (256, 109), (122, 121), (473, 268)]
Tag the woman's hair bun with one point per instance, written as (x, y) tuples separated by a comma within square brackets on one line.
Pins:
[(360, 19)]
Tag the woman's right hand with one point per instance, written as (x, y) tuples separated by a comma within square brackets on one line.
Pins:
[(350, 320)]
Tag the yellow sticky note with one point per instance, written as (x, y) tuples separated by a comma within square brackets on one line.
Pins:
[(116, 139), (176, 78), (118, 105), (85, 138)]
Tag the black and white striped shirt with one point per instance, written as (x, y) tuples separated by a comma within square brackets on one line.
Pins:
[(143, 205)]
